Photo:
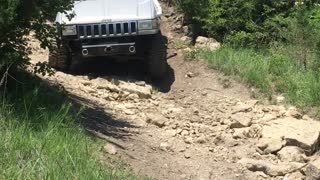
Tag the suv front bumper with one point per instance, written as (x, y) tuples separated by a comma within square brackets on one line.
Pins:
[(109, 49)]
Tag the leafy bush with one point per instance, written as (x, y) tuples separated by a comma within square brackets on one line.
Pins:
[(18, 18), (252, 23), (195, 12)]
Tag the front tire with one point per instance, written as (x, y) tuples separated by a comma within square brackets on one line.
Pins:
[(59, 58), (157, 57)]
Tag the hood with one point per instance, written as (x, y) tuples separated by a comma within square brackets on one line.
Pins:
[(97, 11)]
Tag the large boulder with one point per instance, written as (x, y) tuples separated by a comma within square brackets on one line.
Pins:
[(207, 43), (300, 133)]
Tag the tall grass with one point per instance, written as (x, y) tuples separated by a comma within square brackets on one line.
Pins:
[(39, 138), (272, 71)]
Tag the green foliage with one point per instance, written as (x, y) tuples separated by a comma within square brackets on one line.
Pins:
[(250, 23), (246, 63), (195, 12), (181, 45), (18, 18), (40, 138)]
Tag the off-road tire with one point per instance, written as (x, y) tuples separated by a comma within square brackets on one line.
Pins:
[(59, 58), (157, 57), (75, 64)]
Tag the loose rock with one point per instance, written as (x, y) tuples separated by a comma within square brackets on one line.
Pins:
[(133, 96), (280, 99), (293, 112), (292, 154), (201, 140), (128, 112), (269, 168), (294, 176), (140, 83), (269, 146), (241, 107), (105, 84), (240, 121), (185, 39), (240, 133), (312, 170), (188, 140), (184, 133), (110, 149), (156, 119), (86, 83), (190, 75), (187, 155), (185, 29), (165, 146), (143, 92)]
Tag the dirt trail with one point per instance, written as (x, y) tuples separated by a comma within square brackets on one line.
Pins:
[(190, 127)]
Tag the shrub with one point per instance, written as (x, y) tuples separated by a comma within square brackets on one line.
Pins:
[(253, 23), (195, 13), (18, 18)]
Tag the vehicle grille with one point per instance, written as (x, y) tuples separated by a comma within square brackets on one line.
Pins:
[(107, 30)]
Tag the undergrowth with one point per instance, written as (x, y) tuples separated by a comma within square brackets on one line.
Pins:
[(272, 71), (40, 138)]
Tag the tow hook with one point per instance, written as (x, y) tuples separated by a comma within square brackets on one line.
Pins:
[(108, 49), (85, 52), (132, 49)]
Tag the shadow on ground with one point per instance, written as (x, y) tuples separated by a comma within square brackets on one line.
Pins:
[(95, 119), (51, 97)]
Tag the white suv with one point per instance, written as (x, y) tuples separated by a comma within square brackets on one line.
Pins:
[(128, 28)]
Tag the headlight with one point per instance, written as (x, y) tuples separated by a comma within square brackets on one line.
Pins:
[(145, 25), (69, 30), (148, 24)]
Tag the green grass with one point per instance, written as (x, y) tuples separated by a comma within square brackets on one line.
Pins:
[(40, 139), (181, 44), (272, 71)]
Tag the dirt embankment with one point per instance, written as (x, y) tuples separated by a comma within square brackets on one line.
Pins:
[(190, 126)]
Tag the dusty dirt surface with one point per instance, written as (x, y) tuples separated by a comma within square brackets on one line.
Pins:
[(189, 126)]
